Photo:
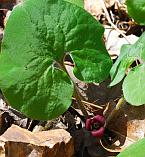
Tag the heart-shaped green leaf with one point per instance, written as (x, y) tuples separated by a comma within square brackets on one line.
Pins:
[(80, 3), (37, 37), (133, 85), (91, 65), (135, 150), (136, 9)]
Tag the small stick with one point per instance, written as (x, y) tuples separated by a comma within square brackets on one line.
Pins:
[(109, 20), (91, 104)]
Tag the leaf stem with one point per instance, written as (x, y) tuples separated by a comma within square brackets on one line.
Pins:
[(116, 109), (76, 91), (79, 100)]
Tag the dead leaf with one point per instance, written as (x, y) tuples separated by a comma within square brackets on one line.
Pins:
[(127, 127), (114, 43), (21, 142), (94, 7)]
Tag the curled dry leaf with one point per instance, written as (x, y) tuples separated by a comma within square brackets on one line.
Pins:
[(127, 127)]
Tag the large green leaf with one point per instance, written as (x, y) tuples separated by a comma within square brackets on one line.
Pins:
[(135, 150), (136, 9), (133, 85), (80, 3), (91, 65), (37, 37)]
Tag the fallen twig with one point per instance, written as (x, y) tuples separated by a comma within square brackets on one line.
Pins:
[(91, 104)]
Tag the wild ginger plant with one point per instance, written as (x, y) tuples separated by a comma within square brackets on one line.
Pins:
[(37, 38), (133, 76)]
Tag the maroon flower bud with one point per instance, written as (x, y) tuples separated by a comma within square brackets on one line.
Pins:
[(96, 125)]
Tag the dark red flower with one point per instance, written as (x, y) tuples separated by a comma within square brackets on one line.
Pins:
[(96, 125)]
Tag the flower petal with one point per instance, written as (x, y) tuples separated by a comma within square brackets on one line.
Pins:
[(100, 119), (98, 133), (88, 124)]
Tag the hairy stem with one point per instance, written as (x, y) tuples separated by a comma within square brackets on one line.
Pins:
[(116, 109), (76, 92), (79, 100)]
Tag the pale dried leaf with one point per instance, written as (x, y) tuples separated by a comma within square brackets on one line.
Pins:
[(128, 126), (114, 42), (95, 8), (54, 143)]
